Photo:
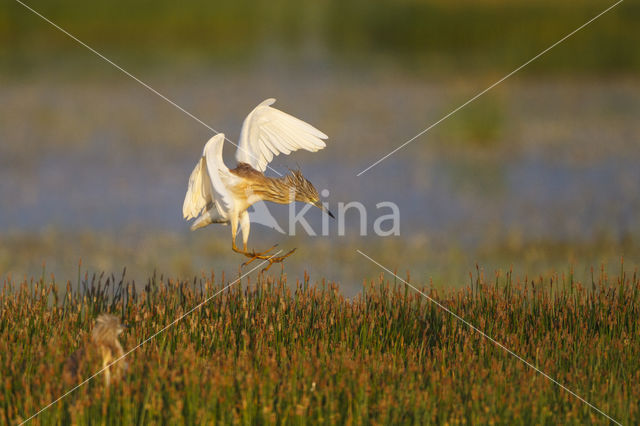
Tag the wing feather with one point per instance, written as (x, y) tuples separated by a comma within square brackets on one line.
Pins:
[(206, 184), (268, 132), (286, 146), (198, 191), (218, 174)]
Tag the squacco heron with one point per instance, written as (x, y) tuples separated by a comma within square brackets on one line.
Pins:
[(217, 194), (104, 347)]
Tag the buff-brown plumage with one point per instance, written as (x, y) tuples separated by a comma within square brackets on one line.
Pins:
[(103, 349), (283, 190)]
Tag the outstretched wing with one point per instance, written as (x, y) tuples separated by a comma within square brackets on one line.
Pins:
[(198, 191), (206, 184), (267, 132)]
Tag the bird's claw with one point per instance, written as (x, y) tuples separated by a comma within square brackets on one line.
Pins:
[(278, 259), (253, 255), (269, 258)]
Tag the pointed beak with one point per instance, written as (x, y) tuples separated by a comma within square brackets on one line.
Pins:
[(319, 205)]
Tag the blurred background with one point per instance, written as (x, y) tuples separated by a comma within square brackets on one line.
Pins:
[(540, 174)]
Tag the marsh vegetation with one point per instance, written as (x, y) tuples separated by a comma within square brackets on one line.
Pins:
[(272, 351)]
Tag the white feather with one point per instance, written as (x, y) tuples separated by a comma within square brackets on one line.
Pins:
[(267, 132), (208, 183)]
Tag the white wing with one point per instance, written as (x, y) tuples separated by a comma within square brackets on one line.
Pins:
[(206, 184), (267, 132), (198, 192)]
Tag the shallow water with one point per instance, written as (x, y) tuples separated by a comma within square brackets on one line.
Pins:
[(560, 161)]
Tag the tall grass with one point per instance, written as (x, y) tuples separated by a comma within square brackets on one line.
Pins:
[(273, 352)]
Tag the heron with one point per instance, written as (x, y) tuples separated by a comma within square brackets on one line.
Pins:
[(217, 194), (104, 347)]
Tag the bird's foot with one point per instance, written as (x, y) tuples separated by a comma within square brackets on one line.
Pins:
[(262, 253), (269, 258), (252, 254)]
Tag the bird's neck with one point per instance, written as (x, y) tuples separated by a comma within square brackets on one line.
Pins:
[(277, 190)]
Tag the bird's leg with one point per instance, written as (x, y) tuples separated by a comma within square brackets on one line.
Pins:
[(245, 226), (262, 253), (270, 258), (252, 255)]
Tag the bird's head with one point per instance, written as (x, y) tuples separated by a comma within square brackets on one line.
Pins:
[(304, 191), (107, 328)]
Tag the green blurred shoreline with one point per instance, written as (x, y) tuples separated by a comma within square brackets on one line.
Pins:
[(438, 36)]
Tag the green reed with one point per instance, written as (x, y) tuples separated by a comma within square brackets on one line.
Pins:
[(269, 351)]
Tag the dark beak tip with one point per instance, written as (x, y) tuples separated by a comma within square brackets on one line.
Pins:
[(319, 205)]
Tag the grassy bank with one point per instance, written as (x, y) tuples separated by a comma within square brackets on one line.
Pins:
[(275, 352), (439, 35)]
